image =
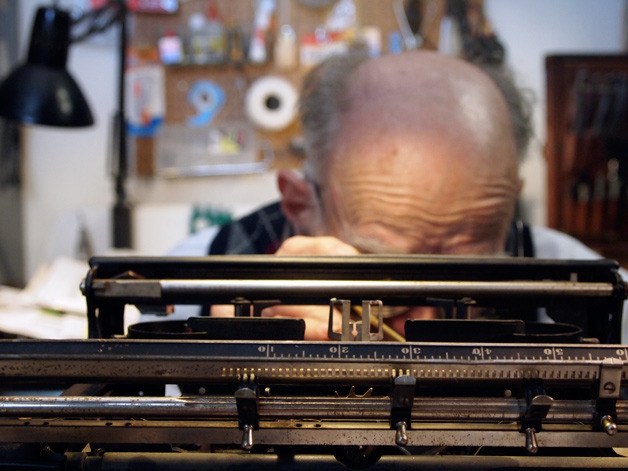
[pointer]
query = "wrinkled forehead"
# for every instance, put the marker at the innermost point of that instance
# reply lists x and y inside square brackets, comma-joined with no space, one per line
[430,163]
[433,176]
[421,194]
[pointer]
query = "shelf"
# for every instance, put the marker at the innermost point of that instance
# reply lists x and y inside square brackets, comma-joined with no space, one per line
[587,150]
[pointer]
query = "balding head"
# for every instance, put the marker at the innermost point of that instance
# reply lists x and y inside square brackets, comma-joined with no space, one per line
[412,153]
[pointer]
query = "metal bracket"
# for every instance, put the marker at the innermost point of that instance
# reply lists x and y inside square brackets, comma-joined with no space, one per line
[538,405]
[610,378]
[608,393]
[248,415]
[358,330]
[401,402]
[241,307]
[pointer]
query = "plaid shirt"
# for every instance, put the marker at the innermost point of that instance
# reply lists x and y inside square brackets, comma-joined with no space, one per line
[261,232]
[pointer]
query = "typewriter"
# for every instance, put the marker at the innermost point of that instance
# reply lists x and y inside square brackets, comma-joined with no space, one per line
[523,368]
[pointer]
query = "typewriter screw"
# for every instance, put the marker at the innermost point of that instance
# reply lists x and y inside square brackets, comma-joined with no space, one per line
[401,435]
[532,445]
[609,425]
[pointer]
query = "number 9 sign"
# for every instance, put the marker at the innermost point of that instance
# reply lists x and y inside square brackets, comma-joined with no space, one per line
[207,98]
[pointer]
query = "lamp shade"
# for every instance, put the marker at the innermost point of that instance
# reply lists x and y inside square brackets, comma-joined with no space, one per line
[41,91]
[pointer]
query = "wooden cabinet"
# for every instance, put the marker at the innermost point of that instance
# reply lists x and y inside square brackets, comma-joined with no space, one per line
[587,150]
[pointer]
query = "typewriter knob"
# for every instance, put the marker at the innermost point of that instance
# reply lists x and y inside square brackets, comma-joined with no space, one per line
[608,425]
[401,435]
[247,437]
[532,446]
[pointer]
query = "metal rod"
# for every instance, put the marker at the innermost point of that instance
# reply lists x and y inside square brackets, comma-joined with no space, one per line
[326,289]
[475,409]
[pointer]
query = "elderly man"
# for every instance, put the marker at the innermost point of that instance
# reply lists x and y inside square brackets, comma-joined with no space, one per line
[415,153]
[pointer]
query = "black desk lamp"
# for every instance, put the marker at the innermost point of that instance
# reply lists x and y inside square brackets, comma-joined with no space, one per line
[41,91]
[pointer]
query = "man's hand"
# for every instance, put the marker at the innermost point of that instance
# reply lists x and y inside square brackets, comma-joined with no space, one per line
[316,317]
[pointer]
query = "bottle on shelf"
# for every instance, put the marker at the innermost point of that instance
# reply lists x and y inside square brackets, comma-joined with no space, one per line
[207,42]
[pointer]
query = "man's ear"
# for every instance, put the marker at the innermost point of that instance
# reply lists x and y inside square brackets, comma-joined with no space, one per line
[298,202]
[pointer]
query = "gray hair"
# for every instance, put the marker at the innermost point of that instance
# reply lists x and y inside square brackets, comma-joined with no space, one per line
[519,105]
[325,97]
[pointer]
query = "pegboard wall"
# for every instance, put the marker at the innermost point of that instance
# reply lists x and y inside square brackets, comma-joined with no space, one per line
[235,74]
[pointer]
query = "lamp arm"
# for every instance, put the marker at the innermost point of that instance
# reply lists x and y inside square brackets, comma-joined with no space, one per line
[122,229]
[98,20]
